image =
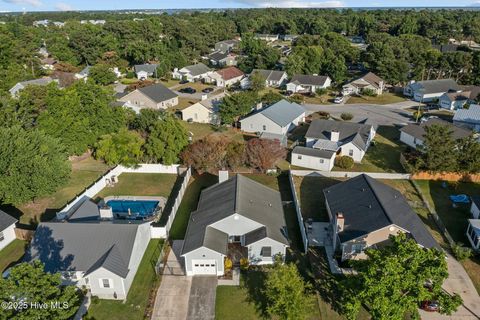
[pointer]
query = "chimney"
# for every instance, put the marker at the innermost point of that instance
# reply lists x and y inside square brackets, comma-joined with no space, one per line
[259,106]
[334,136]
[222,176]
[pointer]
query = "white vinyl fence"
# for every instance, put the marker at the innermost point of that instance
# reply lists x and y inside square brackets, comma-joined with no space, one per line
[345,174]
[298,209]
[178,199]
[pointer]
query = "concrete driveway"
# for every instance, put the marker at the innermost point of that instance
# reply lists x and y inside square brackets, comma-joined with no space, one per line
[201,305]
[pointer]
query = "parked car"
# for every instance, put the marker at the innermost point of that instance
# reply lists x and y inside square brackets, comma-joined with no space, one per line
[183,81]
[207,90]
[430,306]
[189,90]
[339,99]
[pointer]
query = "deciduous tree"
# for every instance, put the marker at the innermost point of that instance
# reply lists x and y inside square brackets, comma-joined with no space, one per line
[102,74]
[439,149]
[124,147]
[264,154]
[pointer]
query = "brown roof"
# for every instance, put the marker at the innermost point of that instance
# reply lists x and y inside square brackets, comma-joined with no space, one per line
[474,91]
[454,96]
[230,73]
[373,79]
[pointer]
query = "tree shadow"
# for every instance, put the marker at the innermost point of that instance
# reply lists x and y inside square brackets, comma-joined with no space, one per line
[171,201]
[254,283]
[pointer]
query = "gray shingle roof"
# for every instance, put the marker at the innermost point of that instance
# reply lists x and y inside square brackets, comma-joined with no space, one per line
[418,130]
[217,55]
[197,69]
[238,195]
[85,71]
[88,210]
[6,220]
[470,115]
[435,86]
[368,205]
[149,68]
[270,75]
[158,92]
[84,246]
[310,80]
[37,82]
[357,133]
[255,235]
[325,154]
[283,112]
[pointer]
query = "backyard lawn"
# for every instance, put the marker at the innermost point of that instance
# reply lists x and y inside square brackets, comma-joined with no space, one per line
[184,103]
[201,130]
[385,98]
[12,254]
[145,280]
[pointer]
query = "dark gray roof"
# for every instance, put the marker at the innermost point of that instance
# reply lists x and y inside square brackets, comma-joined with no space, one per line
[6,220]
[270,75]
[310,80]
[476,200]
[470,115]
[149,68]
[238,195]
[283,112]
[84,246]
[368,205]
[418,130]
[197,69]
[357,133]
[217,55]
[158,92]
[325,154]
[435,86]
[255,235]
[87,211]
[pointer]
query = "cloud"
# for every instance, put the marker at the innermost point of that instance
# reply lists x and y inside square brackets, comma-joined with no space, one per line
[33,3]
[293,3]
[62,6]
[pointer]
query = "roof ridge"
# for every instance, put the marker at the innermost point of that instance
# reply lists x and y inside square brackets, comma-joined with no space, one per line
[367,179]
[237,193]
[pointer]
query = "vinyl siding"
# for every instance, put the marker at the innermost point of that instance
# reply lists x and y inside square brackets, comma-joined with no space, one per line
[313,162]
[255,251]
[8,235]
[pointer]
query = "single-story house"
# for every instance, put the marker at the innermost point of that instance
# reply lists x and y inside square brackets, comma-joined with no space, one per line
[365,212]
[226,45]
[192,73]
[83,74]
[430,90]
[289,37]
[7,229]
[279,118]
[222,59]
[468,118]
[204,111]
[236,218]
[155,96]
[102,256]
[143,71]
[267,37]
[369,81]
[308,83]
[273,78]
[454,100]
[225,77]
[413,134]
[36,82]
[333,138]
[48,63]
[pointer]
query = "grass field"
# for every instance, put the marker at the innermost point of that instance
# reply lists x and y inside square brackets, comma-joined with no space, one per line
[11,254]
[201,130]
[385,98]
[134,307]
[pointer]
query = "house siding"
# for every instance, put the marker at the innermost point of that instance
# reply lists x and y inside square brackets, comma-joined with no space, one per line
[139,100]
[140,246]
[410,140]
[8,235]
[255,123]
[311,162]
[474,210]
[117,285]
[255,251]
[197,113]
[204,254]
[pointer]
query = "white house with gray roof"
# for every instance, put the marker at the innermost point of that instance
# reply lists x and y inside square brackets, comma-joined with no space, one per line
[279,119]
[102,256]
[156,96]
[84,73]
[143,71]
[468,118]
[430,90]
[192,73]
[236,218]
[7,229]
[36,82]
[308,83]
[273,78]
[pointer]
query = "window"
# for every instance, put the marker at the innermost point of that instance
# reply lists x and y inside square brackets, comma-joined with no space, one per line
[105,283]
[350,152]
[322,161]
[357,248]
[264,127]
[2,236]
[299,157]
[266,252]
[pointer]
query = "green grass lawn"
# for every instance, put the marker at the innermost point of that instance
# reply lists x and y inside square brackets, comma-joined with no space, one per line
[84,173]
[184,103]
[201,130]
[12,254]
[385,98]
[141,184]
[384,155]
[145,280]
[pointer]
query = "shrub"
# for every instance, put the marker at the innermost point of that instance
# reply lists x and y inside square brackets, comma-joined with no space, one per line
[228,264]
[244,264]
[369,92]
[344,162]
[323,114]
[130,75]
[460,252]
[321,91]
[417,115]
[346,116]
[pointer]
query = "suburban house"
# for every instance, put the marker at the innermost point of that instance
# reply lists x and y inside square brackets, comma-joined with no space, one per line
[36,82]
[273,78]
[143,71]
[457,100]
[473,229]
[289,37]
[192,73]
[222,59]
[204,111]
[277,119]
[413,134]
[225,77]
[326,139]
[236,218]
[430,90]
[48,63]
[83,74]
[226,45]
[156,96]
[364,213]
[7,229]
[102,256]
[267,37]
[308,83]
[369,81]
[468,118]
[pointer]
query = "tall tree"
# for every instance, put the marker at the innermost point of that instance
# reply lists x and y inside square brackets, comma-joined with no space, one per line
[264,154]
[257,81]
[438,147]
[124,147]
[102,74]
[237,105]
[468,154]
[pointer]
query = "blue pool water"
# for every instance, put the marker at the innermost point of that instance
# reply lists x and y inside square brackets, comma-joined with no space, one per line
[138,208]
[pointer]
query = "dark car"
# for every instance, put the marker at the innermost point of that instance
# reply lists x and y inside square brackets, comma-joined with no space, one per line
[430,306]
[207,90]
[189,90]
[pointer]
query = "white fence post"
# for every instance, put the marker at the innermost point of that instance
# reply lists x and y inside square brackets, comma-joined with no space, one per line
[298,210]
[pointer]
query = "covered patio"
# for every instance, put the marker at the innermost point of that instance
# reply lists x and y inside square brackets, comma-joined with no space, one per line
[236,252]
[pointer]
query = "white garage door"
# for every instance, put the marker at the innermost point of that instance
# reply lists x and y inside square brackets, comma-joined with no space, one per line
[204,267]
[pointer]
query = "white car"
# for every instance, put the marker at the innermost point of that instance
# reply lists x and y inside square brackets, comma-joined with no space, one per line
[339,99]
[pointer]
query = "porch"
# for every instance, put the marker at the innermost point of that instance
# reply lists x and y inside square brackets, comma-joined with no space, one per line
[235,252]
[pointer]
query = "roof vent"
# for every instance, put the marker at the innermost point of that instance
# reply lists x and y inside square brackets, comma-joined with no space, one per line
[269,204]
[370,206]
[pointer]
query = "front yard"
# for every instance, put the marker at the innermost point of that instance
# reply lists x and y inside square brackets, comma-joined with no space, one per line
[144,282]
[385,98]
[11,254]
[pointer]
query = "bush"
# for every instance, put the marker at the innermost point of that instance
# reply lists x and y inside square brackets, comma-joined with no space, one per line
[417,115]
[321,91]
[460,252]
[344,162]
[346,116]
[369,92]
[323,114]
[228,264]
[244,264]
[130,75]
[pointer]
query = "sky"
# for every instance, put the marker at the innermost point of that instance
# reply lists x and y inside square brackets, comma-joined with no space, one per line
[66,5]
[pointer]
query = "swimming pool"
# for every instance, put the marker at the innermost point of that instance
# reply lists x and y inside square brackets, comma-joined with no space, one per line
[133,208]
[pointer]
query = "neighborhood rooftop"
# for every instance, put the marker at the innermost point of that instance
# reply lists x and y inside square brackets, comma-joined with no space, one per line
[472,114]
[158,92]
[309,80]
[149,68]
[418,130]
[368,205]
[197,69]
[230,73]
[6,220]
[434,86]
[270,75]
[283,112]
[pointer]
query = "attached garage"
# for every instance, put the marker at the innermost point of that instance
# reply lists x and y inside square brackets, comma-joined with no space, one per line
[204,267]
